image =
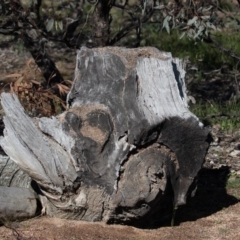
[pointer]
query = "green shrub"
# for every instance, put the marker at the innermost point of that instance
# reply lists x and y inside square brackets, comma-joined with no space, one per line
[233,181]
[226,114]
[205,55]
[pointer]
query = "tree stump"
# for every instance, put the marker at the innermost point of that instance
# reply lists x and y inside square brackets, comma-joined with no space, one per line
[126,135]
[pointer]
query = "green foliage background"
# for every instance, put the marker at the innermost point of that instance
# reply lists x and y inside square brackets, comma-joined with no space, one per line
[204,56]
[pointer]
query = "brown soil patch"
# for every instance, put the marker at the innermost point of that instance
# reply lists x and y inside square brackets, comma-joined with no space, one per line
[213,213]
[223,225]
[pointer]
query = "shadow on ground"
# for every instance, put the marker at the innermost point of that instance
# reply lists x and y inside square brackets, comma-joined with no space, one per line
[211,196]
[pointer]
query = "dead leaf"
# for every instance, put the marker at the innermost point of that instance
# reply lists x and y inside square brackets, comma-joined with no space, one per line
[36,82]
[63,89]
[14,75]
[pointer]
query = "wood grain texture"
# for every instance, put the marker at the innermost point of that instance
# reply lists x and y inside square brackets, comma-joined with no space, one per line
[126,136]
[11,175]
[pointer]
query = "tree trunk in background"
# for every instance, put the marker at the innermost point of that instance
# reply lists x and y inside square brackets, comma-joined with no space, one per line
[126,136]
[36,46]
[101,23]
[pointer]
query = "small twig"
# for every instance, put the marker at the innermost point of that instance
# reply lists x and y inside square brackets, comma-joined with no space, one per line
[124,31]
[237,86]
[221,115]
[15,232]
[222,48]
[11,31]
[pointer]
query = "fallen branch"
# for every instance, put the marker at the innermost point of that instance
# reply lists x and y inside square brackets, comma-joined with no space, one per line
[225,50]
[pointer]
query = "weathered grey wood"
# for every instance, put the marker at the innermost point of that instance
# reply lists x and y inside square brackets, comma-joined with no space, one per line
[11,175]
[17,204]
[127,131]
[43,159]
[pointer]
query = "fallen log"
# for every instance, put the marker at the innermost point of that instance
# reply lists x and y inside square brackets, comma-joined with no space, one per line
[127,134]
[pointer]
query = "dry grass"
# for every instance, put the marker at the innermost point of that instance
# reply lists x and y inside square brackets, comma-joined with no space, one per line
[21,75]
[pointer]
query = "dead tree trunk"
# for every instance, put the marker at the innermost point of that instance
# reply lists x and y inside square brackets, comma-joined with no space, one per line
[126,134]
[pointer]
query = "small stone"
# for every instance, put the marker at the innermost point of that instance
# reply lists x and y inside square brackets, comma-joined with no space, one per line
[234,153]
[221,144]
[215,148]
[228,150]
[214,144]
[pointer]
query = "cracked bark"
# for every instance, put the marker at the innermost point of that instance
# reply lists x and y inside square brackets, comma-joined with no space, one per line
[113,154]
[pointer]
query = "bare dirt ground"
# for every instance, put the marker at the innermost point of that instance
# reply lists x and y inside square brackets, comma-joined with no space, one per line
[221,225]
[214,212]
